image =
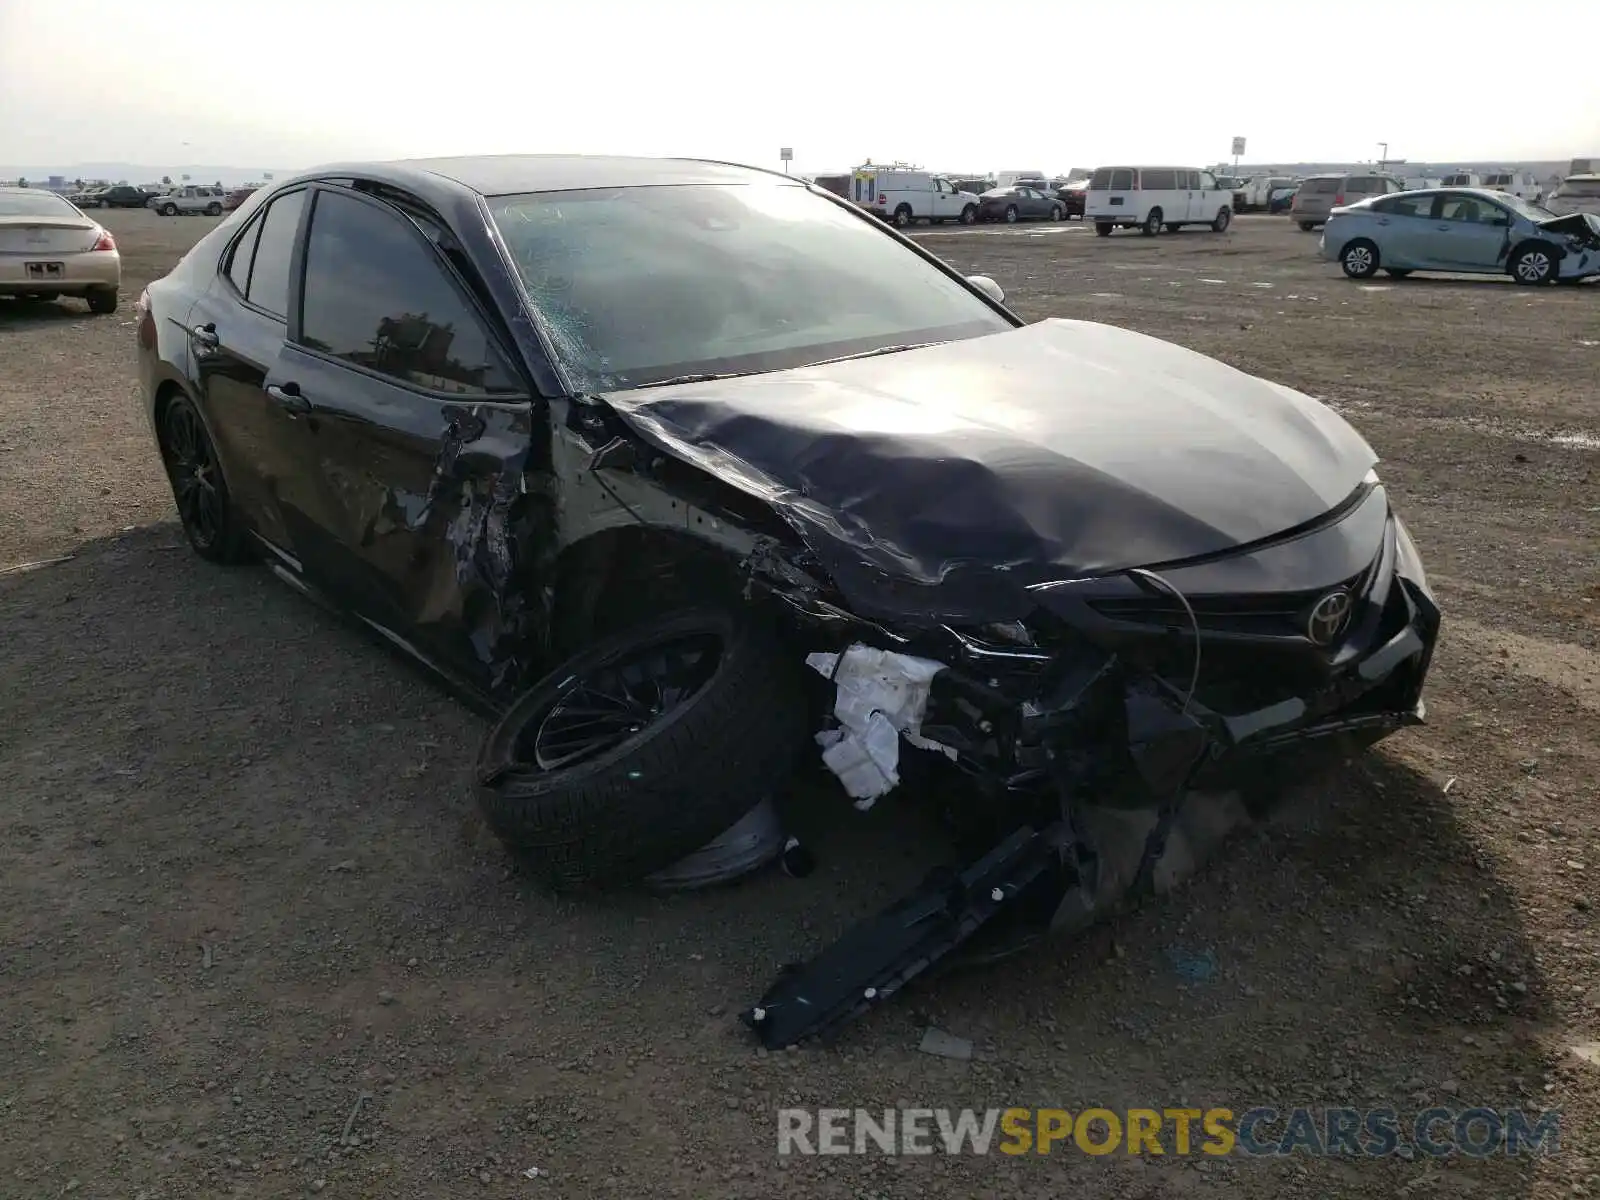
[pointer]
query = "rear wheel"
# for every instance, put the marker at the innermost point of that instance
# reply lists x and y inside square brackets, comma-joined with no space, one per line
[1152,223]
[1359,259]
[1307,226]
[1102,229]
[902,216]
[643,748]
[102,300]
[204,507]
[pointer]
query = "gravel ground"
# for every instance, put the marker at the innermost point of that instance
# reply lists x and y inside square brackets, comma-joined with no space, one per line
[243,882]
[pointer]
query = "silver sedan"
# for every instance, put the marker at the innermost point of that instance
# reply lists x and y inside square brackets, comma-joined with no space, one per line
[48,248]
[1469,230]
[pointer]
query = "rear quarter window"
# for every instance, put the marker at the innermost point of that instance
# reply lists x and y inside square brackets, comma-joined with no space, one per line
[1319,187]
[1158,181]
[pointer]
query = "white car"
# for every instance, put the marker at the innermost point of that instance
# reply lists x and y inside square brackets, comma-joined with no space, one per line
[1151,199]
[1577,194]
[903,196]
[189,199]
[50,249]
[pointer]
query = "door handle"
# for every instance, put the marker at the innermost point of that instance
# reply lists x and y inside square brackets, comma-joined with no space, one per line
[288,398]
[1383,220]
[1443,228]
[206,335]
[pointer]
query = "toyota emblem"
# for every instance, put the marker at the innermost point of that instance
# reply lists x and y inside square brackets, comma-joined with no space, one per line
[1328,616]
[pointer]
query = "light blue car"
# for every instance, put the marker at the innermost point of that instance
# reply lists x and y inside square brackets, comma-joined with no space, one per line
[1469,230]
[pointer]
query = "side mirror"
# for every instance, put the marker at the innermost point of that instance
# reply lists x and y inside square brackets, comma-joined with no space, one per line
[988,287]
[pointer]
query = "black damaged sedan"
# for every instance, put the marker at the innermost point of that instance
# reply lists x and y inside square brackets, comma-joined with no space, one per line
[682,470]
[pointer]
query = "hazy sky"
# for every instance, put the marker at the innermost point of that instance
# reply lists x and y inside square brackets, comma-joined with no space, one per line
[960,87]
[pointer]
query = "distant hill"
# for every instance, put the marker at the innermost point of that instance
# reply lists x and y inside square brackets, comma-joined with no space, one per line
[136,173]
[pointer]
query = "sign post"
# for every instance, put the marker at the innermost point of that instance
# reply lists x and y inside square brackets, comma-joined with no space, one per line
[1238,149]
[786,153]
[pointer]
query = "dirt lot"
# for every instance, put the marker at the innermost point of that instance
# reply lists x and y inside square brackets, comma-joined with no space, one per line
[244,881]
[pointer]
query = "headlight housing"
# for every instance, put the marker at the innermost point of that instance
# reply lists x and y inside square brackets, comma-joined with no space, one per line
[1408,561]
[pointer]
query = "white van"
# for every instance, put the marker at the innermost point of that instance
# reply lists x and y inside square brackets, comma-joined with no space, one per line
[1155,198]
[903,196]
[1462,179]
[1520,184]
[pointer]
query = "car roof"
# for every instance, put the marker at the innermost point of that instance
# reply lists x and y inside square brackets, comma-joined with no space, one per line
[508,174]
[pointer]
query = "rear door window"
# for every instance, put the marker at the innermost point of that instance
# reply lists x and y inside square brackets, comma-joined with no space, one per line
[244,254]
[1405,206]
[1112,179]
[274,248]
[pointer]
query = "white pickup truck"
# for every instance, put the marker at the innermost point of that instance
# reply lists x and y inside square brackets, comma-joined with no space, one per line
[190,198]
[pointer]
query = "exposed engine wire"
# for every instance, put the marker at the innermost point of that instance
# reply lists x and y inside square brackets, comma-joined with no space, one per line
[1194,625]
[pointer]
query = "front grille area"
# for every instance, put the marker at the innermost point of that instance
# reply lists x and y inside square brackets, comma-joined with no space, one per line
[1239,676]
[1277,614]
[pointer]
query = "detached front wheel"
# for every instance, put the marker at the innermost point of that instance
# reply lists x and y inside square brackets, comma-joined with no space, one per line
[643,748]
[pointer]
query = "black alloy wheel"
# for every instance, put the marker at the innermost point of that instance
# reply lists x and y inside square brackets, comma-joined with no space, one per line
[619,699]
[197,484]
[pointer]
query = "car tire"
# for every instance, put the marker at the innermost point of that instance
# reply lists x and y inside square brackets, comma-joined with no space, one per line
[1152,223]
[652,792]
[169,210]
[1359,258]
[213,210]
[1397,272]
[969,215]
[102,300]
[205,509]
[1223,219]
[1307,226]
[902,216]
[1012,215]
[1102,229]
[1534,265]
[1056,214]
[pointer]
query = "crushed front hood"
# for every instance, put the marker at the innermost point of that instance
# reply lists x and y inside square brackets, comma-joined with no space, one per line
[1064,448]
[1583,226]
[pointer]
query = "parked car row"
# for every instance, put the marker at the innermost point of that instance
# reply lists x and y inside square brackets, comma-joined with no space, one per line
[119,195]
[905,195]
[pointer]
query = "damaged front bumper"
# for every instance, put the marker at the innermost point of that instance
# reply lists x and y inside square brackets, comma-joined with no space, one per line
[1089,750]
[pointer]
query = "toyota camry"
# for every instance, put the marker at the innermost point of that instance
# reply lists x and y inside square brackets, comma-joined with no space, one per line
[685,470]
